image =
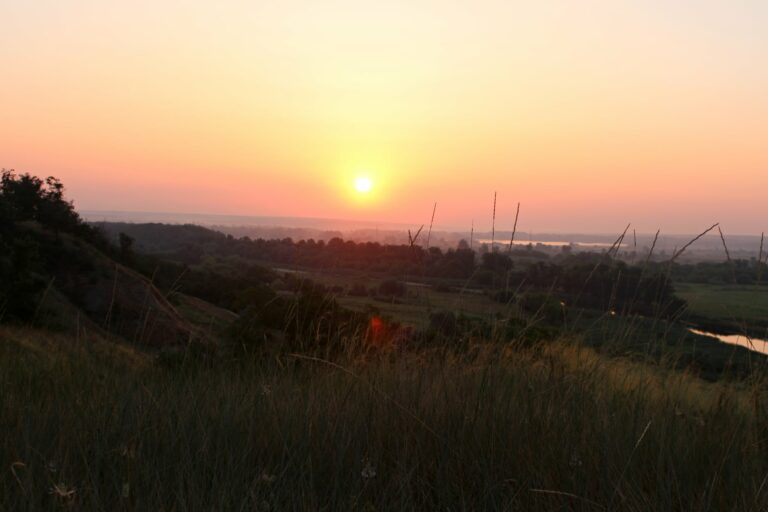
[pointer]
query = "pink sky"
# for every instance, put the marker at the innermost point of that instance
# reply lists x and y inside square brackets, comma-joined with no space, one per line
[590,114]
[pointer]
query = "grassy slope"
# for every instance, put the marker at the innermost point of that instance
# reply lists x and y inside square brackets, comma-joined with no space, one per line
[560,429]
[84,282]
[212,321]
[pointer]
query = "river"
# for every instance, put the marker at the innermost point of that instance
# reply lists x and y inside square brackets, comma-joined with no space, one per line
[756,344]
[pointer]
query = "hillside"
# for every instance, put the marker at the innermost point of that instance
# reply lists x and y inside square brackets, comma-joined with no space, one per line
[59,273]
[92,425]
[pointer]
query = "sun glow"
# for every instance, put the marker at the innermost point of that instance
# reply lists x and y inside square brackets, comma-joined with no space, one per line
[363,184]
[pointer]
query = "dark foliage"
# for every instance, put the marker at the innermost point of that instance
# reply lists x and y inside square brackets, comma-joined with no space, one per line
[308,320]
[584,279]
[708,272]
[192,244]
[606,285]
[27,201]
[392,288]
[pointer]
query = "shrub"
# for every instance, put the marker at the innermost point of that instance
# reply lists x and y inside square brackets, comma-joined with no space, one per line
[392,288]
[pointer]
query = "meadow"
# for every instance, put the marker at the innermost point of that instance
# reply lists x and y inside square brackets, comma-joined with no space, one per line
[419,299]
[93,425]
[733,308]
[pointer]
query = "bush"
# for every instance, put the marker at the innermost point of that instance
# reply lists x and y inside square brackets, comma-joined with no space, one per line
[392,288]
[358,290]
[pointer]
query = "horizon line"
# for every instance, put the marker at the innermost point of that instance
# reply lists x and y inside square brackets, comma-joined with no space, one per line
[372,223]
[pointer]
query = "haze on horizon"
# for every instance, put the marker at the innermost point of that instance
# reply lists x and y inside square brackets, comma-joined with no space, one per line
[592,114]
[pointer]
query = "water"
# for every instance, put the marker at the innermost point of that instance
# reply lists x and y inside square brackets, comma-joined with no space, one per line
[548,243]
[290,271]
[756,344]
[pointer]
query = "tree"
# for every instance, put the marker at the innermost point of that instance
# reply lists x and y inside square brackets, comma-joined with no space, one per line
[31,198]
[126,247]
[497,262]
[392,288]
[24,258]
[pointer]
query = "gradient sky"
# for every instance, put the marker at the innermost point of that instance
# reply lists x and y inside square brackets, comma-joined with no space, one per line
[592,114]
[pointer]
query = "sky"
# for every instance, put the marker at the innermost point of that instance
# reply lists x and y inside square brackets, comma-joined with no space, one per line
[591,114]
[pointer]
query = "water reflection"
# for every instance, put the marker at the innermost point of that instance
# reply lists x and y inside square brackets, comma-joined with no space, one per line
[756,344]
[548,243]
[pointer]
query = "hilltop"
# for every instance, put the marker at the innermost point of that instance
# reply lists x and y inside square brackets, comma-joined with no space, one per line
[61,273]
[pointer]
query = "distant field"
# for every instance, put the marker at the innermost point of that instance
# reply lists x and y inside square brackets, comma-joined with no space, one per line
[419,301]
[414,309]
[735,305]
[716,308]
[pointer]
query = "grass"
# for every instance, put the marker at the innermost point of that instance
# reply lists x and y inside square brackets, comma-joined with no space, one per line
[499,427]
[731,307]
[414,308]
[421,298]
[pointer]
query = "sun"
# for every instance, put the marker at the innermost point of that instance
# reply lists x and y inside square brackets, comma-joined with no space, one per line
[363,184]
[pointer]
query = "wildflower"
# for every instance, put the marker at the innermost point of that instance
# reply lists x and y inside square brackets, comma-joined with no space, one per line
[613,313]
[562,303]
[63,491]
[129,452]
[369,470]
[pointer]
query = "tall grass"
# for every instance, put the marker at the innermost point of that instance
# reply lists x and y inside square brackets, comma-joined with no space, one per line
[493,427]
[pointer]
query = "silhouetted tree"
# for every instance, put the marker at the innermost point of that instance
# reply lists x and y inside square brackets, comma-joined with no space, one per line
[392,288]
[26,261]
[126,247]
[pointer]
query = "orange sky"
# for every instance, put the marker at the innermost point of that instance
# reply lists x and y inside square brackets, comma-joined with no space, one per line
[589,113]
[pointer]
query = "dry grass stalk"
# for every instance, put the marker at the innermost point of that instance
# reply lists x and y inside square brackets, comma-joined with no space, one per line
[683,248]
[617,490]
[111,300]
[493,223]
[617,244]
[514,228]
[760,259]
[725,246]
[653,246]
[727,254]
[429,233]
[412,238]
[599,262]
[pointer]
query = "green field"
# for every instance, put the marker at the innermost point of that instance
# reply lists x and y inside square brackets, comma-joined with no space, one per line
[734,308]
[415,308]
[419,301]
